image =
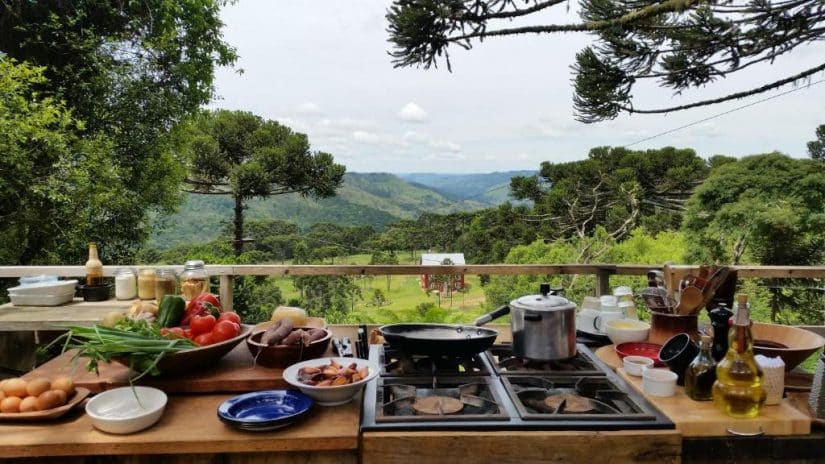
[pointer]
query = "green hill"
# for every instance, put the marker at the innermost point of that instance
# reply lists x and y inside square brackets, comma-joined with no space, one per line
[375,199]
[490,188]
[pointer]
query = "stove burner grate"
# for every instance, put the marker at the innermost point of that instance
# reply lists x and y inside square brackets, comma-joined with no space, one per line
[401,400]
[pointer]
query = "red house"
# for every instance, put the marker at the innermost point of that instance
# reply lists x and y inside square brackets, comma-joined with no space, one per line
[452,282]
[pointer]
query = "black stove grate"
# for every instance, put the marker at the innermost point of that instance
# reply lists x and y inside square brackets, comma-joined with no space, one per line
[396,399]
[504,362]
[398,363]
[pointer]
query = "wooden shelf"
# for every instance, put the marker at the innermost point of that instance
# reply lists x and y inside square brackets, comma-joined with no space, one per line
[78,312]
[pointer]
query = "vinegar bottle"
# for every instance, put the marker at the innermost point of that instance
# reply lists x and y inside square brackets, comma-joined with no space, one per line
[701,374]
[738,390]
[94,268]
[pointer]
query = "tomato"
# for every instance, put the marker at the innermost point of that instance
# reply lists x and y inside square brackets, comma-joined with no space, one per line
[230,316]
[204,339]
[188,334]
[224,330]
[199,306]
[172,332]
[202,324]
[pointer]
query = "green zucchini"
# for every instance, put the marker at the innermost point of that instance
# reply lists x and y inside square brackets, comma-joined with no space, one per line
[171,310]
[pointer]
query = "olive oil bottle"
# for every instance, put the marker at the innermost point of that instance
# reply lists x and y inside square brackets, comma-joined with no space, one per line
[701,374]
[738,389]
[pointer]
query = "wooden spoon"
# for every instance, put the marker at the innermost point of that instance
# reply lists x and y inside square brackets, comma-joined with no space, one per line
[689,300]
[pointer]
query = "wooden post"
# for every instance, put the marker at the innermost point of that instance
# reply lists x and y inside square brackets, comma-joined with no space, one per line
[603,282]
[226,292]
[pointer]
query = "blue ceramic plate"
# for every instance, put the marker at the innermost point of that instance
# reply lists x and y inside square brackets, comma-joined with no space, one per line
[264,410]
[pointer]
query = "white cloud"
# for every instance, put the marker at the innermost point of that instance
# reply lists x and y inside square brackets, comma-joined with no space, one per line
[365,137]
[448,146]
[309,109]
[412,113]
[415,137]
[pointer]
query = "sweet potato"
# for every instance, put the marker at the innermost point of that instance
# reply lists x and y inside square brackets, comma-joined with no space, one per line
[277,332]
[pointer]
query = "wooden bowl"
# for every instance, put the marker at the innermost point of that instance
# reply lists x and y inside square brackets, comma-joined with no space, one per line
[792,344]
[280,355]
[200,357]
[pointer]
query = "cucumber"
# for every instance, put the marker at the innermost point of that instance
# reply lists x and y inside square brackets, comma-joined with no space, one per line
[171,311]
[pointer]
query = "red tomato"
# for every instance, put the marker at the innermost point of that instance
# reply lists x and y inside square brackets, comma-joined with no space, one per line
[172,332]
[230,316]
[204,339]
[224,330]
[202,324]
[188,334]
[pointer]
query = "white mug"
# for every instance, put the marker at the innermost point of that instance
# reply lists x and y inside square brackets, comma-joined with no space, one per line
[586,320]
[600,322]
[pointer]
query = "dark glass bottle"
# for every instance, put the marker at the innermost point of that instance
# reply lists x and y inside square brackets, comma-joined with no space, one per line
[701,373]
[719,317]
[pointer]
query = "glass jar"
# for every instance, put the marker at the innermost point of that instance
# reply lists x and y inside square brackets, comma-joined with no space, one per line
[194,279]
[146,284]
[624,297]
[125,284]
[166,283]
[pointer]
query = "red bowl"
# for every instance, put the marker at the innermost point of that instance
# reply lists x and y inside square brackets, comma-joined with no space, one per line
[648,350]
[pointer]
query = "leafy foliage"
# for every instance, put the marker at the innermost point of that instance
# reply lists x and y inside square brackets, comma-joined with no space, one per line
[816,148]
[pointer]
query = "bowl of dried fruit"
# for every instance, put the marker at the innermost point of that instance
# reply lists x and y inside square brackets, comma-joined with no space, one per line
[279,344]
[331,381]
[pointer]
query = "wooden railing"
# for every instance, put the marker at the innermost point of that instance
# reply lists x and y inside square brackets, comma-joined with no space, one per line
[602,272]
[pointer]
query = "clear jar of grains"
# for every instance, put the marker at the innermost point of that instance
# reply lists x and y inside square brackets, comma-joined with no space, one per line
[146,284]
[125,284]
[166,283]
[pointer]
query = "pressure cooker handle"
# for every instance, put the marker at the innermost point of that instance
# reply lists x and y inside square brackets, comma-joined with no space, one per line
[502,311]
[532,316]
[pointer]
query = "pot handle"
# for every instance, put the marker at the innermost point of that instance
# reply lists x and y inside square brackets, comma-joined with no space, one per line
[502,311]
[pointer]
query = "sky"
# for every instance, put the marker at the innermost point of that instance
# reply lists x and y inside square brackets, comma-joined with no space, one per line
[321,67]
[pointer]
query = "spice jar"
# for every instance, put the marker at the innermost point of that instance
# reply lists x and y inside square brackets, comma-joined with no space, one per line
[146,284]
[194,279]
[125,284]
[166,283]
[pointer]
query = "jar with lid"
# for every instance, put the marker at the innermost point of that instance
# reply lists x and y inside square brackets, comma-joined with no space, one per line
[166,283]
[125,284]
[146,284]
[194,279]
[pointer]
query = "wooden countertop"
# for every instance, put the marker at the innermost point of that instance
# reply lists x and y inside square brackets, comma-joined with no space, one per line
[189,426]
[78,312]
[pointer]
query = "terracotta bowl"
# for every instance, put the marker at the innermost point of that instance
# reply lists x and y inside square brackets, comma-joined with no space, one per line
[792,344]
[282,356]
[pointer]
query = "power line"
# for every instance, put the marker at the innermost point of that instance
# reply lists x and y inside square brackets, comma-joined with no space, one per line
[725,112]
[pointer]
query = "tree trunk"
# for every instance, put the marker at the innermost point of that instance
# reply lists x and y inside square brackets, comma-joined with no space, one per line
[237,244]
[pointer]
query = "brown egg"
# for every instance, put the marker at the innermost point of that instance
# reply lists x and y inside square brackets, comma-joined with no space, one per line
[28,404]
[38,386]
[10,404]
[2,395]
[64,383]
[62,395]
[48,400]
[15,387]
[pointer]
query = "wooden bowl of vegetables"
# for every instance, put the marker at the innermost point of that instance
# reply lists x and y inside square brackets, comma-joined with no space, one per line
[279,343]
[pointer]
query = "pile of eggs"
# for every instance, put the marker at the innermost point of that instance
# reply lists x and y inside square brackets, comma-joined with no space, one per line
[40,394]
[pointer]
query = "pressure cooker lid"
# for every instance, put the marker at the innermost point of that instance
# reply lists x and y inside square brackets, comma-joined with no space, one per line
[544,301]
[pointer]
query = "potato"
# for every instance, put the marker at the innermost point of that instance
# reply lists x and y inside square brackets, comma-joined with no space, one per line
[298,316]
[10,404]
[63,383]
[50,399]
[28,404]
[38,386]
[15,387]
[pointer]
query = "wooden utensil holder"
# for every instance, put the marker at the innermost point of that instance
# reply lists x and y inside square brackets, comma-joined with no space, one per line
[663,326]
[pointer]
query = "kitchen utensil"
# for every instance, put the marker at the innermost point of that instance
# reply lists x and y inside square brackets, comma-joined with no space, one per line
[715,281]
[120,411]
[648,350]
[438,339]
[627,330]
[663,326]
[690,300]
[264,410]
[816,400]
[655,279]
[677,353]
[543,325]
[635,365]
[659,382]
[282,355]
[79,395]
[657,300]
[335,394]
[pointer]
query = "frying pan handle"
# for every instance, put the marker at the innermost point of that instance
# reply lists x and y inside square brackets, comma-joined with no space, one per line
[502,311]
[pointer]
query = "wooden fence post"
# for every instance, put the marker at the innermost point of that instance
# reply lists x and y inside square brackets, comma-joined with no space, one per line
[226,292]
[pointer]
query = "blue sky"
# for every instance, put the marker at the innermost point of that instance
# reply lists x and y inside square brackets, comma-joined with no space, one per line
[321,67]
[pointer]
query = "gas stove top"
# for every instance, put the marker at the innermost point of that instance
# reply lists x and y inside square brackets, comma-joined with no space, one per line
[495,390]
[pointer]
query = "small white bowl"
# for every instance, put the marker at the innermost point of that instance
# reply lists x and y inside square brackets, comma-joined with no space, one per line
[118,410]
[332,395]
[659,382]
[635,365]
[627,330]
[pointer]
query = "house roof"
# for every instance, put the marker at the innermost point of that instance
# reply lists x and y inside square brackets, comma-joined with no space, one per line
[430,259]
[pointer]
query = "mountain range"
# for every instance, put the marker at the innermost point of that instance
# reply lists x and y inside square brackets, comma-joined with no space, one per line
[375,199]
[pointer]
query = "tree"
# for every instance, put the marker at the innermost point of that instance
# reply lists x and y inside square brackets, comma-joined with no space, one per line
[240,154]
[816,148]
[615,188]
[493,231]
[129,71]
[681,43]
[381,257]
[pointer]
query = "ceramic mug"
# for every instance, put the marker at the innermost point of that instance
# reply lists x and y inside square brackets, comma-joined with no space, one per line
[586,320]
[600,322]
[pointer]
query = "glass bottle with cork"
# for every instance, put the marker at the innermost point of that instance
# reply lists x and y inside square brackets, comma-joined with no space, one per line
[94,267]
[701,373]
[738,390]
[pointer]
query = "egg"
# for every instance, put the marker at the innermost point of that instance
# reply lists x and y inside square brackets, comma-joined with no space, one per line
[10,404]
[38,386]
[50,399]
[15,387]
[63,383]
[28,404]
[2,395]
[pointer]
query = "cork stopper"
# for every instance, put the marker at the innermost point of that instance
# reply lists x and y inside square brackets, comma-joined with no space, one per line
[705,341]
[742,310]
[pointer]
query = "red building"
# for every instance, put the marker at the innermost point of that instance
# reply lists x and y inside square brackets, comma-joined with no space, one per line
[451,282]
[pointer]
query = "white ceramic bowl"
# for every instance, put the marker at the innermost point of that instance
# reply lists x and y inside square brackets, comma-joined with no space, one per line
[627,330]
[332,395]
[635,365]
[659,382]
[118,411]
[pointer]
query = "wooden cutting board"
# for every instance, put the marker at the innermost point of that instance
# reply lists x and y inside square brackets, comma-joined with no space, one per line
[235,372]
[703,419]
